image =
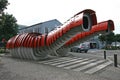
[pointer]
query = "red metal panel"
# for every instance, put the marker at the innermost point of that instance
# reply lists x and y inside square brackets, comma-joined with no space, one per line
[68,27]
[39,41]
[48,41]
[21,38]
[22,41]
[13,42]
[54,36]
[26,41]
[42,40]
[58,32]
[64,30]
[111,23]
[35,42]
[31,42]
[61,32]
[17,41]
[9,43]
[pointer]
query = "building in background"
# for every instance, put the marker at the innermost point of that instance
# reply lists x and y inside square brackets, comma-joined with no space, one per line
[40,27]
[94,43]
[21,26]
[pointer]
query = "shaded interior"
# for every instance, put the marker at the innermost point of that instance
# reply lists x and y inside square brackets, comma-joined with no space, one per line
[85,22]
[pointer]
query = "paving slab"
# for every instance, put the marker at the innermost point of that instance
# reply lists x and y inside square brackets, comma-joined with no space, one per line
[89,65]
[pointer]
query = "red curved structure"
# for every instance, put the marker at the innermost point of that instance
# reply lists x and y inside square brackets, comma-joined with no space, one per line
[37,46]
[101,28]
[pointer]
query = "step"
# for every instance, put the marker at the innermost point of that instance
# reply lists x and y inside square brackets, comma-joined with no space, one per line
[88,65]
[60,60]
[79,64]
[99,67]
[55,60]
[72,63]
[65,61]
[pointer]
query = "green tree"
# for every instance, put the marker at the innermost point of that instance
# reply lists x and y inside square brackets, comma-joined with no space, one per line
[109,38]
[8,27]
[117,37]
[3,5]
[102,38]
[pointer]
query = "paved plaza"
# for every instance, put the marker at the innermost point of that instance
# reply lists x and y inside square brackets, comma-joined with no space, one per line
[79,66]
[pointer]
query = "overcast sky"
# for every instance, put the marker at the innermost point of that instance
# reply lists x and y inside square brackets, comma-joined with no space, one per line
[29,12]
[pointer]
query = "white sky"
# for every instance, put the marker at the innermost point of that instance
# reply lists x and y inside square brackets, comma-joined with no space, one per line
[29,12]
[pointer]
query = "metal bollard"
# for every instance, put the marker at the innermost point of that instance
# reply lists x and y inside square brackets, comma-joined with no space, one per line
[115,60]
[104,54]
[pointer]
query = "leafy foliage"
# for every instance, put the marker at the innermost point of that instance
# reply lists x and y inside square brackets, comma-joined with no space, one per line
[117,37]
[3,4]
[109,38]
[102,38]
[8,27]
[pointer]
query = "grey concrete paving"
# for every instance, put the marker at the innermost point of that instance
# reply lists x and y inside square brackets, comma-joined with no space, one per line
[16,69]
[88,65]
[71,63]
[97,68]
[95,53]
[111,72]
[84,64]
[109,54]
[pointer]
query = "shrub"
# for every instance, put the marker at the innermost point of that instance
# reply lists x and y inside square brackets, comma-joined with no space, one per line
[2,50]
[112,48]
